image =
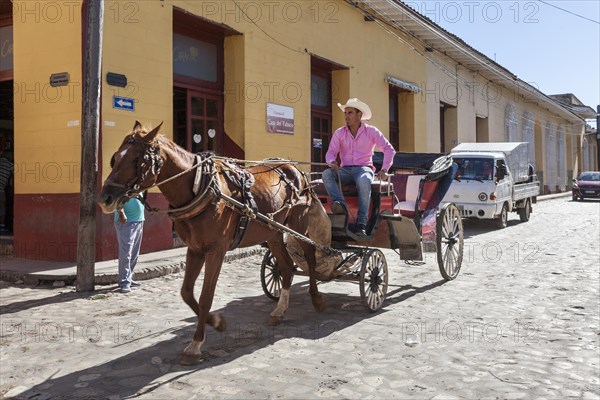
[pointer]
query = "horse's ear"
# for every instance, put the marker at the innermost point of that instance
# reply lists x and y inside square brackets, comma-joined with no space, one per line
[152,134]
[136,126]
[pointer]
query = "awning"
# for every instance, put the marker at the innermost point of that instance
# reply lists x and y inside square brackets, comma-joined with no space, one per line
[411,87]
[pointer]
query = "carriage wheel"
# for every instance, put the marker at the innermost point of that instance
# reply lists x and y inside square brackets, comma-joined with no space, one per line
[270,278]
[450,241]
[373,279]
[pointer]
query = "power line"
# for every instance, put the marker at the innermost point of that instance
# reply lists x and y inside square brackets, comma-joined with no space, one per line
[265,32]
[388,24]
[569,12]
[550,120]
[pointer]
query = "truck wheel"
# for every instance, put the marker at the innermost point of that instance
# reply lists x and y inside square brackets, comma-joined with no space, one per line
[502,219]
[525,212]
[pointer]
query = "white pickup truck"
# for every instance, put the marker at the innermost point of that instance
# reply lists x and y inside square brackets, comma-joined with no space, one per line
[492,180]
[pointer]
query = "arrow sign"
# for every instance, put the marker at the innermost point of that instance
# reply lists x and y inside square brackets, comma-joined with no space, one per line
[123,103]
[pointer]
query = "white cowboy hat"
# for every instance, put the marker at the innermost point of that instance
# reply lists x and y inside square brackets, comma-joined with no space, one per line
[359,105]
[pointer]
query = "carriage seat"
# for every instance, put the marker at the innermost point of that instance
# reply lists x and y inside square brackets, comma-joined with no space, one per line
[406,188]
[382,187]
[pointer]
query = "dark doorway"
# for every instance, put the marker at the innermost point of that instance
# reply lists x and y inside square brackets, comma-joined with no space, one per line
[7,164]
[321,135]
[197,120]
[320,111]
[198,80]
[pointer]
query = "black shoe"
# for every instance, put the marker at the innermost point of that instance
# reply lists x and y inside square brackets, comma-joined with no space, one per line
[361,230]
[338,207]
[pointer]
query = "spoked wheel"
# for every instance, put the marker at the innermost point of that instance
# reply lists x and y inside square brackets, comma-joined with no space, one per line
[373,279]
[270,278]
[450,241]
[525,212]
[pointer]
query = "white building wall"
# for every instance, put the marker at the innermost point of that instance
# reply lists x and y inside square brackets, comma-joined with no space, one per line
[529,135]
[561,142]
[550,152]
[510,123]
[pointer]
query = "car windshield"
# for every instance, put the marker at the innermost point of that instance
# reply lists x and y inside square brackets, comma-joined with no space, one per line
[475,168]
[590,176]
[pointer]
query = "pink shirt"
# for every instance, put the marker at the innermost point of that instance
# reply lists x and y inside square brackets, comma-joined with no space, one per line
[359,150]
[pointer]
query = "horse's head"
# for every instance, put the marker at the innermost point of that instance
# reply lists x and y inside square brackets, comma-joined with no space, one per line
[135,167]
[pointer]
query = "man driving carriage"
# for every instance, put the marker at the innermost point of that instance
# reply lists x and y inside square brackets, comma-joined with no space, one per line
[355,143]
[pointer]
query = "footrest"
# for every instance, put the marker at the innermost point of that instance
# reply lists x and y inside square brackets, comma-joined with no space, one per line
[392,217]
[338,221]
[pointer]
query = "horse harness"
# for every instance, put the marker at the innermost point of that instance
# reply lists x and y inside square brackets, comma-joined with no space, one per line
[206,181]
[207,190]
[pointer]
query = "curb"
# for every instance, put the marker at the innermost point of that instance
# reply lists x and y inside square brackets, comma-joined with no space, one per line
[554,196]
[144,273]
[152,271]
[165,269]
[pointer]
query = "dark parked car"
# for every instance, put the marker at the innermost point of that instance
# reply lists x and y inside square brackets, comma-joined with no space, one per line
[587,186]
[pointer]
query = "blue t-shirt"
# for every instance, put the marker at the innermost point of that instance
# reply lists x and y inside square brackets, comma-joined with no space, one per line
[134,211]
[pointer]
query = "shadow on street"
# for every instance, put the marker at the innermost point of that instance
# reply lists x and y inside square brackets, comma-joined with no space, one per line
[143,371]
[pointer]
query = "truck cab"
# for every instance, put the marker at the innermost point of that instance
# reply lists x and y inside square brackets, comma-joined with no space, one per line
[481,186]
[492,180]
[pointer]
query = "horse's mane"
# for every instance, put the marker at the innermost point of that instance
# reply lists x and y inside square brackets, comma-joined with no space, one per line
[162,139]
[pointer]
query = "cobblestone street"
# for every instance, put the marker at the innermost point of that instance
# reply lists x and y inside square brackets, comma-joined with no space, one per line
[520,321]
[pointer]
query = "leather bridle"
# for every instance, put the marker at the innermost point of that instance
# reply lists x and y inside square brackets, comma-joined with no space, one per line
[150,163]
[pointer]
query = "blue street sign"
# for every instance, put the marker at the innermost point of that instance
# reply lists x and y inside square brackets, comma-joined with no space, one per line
[123,103]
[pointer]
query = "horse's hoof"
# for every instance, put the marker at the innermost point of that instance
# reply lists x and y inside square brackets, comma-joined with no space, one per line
[220,324]
[190,359]
[319,305]
[273,321]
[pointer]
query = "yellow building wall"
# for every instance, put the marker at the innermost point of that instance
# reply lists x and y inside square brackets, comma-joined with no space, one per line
[269,63]
[439,86]
[235,73]
[47,120]
[278,40]
[138,44]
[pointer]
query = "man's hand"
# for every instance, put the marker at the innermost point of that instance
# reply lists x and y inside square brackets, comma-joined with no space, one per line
[122,217]
[382,175]
[334,166]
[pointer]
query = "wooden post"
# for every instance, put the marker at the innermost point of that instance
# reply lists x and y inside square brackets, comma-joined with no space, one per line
[86,235]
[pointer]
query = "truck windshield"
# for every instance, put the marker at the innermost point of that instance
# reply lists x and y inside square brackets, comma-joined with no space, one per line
[475,168]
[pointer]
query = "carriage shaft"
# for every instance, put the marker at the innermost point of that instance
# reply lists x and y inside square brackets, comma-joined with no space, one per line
[245,209]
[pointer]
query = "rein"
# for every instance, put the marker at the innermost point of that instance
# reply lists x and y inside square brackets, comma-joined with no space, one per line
[206,179]
[182,212]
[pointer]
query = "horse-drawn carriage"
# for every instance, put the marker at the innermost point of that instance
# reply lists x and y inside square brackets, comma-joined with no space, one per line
[405,216]
[217,205]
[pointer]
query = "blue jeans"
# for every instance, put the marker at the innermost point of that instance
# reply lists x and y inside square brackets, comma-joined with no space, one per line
[362,178]
[129,236]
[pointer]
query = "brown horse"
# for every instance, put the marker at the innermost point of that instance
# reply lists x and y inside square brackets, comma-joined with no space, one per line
[206,203]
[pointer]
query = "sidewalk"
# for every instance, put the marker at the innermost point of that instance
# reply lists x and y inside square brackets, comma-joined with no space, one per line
[150,265]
